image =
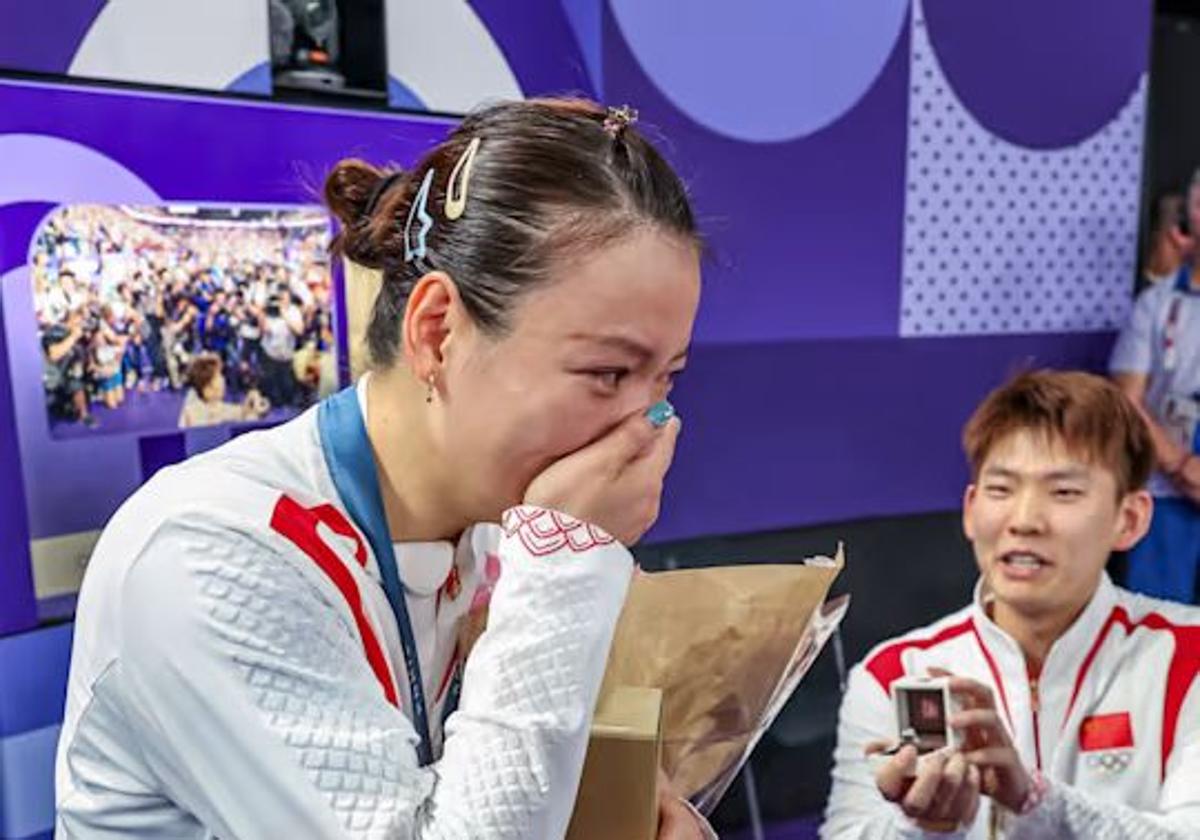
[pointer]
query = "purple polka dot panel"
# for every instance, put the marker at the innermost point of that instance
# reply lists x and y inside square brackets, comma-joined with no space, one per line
[1014,231]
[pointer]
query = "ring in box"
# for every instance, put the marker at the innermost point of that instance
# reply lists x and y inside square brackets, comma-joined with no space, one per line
[924,706]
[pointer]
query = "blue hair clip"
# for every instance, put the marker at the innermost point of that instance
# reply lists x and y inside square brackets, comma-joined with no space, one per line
[415,249]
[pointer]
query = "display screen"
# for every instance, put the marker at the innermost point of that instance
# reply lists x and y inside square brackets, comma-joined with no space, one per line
[151,319]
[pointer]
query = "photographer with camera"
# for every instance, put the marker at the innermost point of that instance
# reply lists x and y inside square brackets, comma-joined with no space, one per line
[177,333]
[281,325]
[108,358]
[64,349]
[246,343]
[1074,705]
[220,330]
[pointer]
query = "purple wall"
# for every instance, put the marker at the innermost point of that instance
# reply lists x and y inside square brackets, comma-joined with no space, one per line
[782,434]
[17,608]
[43,37]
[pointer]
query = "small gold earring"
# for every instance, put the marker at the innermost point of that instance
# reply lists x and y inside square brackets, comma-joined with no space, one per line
[429,392]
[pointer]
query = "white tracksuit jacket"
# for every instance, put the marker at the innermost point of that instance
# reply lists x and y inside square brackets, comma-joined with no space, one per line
[237,671]
[1115,729]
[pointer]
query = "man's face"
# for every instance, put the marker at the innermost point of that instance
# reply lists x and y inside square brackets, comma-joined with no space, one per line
[1043,523]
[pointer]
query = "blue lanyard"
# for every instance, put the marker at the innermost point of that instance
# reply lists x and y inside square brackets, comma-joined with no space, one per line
[352,465]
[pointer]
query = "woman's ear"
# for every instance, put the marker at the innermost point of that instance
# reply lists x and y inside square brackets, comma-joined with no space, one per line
[431,318]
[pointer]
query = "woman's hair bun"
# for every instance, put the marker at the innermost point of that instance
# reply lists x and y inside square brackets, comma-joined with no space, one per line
[350,190]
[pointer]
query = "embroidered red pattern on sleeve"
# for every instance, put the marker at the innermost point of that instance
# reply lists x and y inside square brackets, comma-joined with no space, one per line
[545,532]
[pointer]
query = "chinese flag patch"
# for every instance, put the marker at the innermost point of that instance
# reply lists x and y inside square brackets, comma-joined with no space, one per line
[1106,732]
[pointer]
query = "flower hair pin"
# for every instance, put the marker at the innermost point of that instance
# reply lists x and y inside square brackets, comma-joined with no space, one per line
[619,119]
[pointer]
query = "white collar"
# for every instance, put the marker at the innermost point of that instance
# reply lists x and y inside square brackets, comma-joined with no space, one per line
[1071,646]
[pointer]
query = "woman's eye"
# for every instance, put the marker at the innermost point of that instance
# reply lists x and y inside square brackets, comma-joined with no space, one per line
[669,379]
[610,379]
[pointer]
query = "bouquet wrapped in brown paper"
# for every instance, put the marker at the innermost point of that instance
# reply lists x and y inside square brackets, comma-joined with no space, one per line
[728,646]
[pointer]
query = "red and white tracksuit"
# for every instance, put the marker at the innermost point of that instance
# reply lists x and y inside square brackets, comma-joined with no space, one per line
[1112,722]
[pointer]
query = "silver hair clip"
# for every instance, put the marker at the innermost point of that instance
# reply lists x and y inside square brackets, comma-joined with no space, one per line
[460,179]
[418,212]
[619,119]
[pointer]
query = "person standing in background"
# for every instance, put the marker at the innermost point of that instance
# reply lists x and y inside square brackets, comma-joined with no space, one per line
[1169,245]
[1156,362]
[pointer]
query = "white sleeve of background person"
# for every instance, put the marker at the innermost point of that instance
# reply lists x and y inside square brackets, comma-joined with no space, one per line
[856,809]
[254,707]
[1070,813]
[1134,350]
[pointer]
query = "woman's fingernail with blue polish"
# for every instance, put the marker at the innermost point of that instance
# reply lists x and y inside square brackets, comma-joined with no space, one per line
[660,414]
